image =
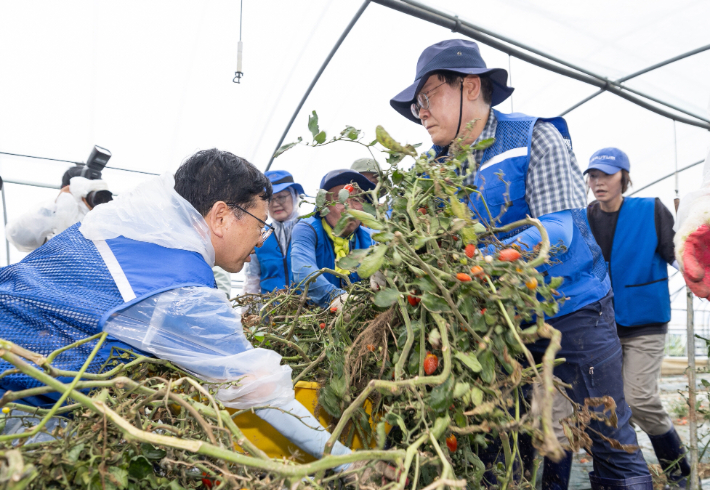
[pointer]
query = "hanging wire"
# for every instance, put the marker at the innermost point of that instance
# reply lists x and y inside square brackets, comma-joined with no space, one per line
[239,74]
[75,163]
[510,82]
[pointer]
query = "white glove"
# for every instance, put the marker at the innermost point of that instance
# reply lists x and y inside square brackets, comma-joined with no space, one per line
[338,302]
[378,281]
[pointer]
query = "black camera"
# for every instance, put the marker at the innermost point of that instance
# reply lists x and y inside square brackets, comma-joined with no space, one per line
[96,162]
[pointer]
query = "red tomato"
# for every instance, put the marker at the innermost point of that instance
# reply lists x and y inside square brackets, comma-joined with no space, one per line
[477,271]
[413,300]
[421,210]
[463,277]
[431,362]
[470,250]
[508,255]
[349,188]
[322,326]
[452,443]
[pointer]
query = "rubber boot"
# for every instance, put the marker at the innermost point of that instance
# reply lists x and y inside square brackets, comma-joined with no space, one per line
[555,476]
[635,483]
[306,433]
[670,452]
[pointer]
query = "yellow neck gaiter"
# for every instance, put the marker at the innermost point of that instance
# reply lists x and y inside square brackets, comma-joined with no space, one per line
[341,246]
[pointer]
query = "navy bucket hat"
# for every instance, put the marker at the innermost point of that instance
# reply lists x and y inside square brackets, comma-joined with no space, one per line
[335,178]
[281,179]
[456,55]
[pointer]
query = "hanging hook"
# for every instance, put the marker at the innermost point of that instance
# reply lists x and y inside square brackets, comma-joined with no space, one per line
[239,74]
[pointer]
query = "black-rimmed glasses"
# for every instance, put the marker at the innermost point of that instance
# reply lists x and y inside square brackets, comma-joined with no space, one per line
[266,230]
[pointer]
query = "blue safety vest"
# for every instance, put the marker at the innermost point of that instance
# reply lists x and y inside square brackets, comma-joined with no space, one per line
[639,275]
[325,252]
[275,268]
[582,265]
[66,290]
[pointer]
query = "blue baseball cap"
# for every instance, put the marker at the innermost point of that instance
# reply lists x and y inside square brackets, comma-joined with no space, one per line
[609,161]
[345,176]
[457,55]
[281,179]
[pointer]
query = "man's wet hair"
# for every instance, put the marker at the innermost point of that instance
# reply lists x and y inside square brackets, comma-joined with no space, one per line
[213,175]
[452,78]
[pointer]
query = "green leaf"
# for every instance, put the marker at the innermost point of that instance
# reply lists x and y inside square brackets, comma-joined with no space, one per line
[174,485]
[337,383]
[119,476]
[381,435]
[365,218]
[460,389]
[442,396]
[425,284]
[139,468]
[151,452]
[353,259]
[372,262]
[488,366]
[435,304]
[555,282]
[320,197]
[313,124]
[320,138]
[286,147]
[483,144]
[397,177]
[73,454]
[369,208]
[470,360]
[329,401]
[387,297]
[343,196]
[341,224]
[383,237]
[476,396]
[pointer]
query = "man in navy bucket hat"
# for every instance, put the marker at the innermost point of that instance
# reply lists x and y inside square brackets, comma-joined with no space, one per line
[315,246]
[452,97]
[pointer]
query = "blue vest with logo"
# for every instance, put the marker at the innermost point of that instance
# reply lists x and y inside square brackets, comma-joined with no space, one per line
[639,275]
[582,265]
[325,252]
[275,268]
[65,291]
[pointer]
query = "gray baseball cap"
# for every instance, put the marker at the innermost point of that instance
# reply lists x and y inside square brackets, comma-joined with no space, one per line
[365,165]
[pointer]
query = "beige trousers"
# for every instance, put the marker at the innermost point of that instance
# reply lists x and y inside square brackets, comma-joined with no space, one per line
[643,356]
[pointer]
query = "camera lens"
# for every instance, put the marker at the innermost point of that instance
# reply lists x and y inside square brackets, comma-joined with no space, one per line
[95,198]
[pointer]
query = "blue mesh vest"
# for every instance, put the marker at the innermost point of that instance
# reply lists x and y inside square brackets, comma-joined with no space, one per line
[325,254]
[639,275]
[275,268]
[582,265]
[65,290]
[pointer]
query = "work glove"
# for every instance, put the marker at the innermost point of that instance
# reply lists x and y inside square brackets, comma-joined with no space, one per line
[337,304]
[696,261]
[378,281]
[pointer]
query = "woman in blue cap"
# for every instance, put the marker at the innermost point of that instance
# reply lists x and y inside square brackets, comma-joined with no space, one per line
[270,266]
[315,246]
[636,238]
[453,87]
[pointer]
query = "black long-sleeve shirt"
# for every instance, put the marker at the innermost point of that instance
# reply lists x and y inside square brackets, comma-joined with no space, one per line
[603,226]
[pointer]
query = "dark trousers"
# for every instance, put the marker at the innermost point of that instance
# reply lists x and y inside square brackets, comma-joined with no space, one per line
[593,356]
[593,369]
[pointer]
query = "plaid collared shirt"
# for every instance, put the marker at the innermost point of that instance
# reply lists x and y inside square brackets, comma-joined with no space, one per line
[554,182]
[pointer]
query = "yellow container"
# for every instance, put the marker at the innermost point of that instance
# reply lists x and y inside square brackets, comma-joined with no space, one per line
[269,440]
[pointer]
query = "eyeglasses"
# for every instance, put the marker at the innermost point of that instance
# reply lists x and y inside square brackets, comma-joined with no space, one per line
[281,199]
[266,230]
[422,101]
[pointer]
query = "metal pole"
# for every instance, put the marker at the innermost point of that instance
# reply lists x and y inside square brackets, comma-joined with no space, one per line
[667,176]
[4,216]
[315,79]
[692,415]
[456,25]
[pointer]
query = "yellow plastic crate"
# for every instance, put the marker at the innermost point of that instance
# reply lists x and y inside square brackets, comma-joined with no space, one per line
[269,440]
